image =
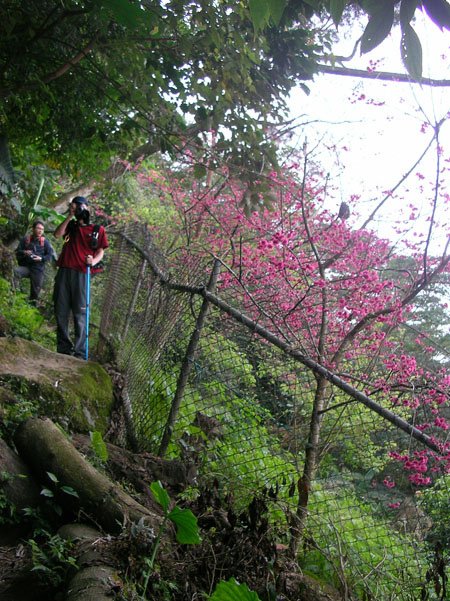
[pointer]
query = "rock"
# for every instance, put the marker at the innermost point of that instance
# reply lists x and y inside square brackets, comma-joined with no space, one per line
[75,393]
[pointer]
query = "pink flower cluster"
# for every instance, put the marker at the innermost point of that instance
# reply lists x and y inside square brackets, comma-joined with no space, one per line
[298,269]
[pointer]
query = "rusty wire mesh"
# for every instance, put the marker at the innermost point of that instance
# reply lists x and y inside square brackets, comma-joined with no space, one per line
[243,418]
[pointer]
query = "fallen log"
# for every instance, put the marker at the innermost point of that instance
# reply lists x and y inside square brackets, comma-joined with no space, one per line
[141,469]
[97,577]
[45,448]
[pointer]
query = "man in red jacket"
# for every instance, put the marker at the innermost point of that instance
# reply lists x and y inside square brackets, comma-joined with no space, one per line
[84,245]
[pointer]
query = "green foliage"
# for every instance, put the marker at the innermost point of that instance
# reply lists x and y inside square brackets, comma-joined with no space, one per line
[37,185]
[184,519]
[375,559]
[247,457]
[187,530]
[69,88]
[51,557]
[233,591]
[265,12]
[436,503]
[23,319]
[132,198]
[160,495]
[15,413]
[337,9]
[411,49]
[8,511]
[381,19]
[379,26]
[357,447]
[99,446]
[50,494]
[228,359]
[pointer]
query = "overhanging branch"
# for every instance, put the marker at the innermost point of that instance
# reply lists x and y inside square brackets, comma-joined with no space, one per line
[382,76]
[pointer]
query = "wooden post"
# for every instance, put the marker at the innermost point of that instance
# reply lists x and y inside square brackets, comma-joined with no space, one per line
[187,364]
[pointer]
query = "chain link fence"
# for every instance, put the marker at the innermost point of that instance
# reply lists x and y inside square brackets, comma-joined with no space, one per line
[206,384]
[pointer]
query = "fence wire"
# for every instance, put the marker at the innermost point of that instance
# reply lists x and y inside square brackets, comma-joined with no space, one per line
[203,387]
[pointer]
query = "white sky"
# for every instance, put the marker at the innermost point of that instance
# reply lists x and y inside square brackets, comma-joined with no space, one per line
[375,145]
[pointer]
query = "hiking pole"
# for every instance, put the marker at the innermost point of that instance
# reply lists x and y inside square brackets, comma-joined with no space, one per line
[88,302]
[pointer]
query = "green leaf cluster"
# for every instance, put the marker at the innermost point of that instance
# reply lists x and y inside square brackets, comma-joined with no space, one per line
[51,558]
[187,530]
[232,590]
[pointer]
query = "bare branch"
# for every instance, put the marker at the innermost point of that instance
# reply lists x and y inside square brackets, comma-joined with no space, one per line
[383,76]
[435,199]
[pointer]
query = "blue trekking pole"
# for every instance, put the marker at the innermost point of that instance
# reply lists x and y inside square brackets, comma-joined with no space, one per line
[88,302]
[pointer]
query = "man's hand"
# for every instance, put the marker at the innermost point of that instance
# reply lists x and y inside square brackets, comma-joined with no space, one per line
[36,258]
[89,259]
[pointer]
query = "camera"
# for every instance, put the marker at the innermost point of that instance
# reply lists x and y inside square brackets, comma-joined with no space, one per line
[82,214]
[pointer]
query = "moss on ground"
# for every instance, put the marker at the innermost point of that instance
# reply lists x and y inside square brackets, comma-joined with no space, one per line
[75,393]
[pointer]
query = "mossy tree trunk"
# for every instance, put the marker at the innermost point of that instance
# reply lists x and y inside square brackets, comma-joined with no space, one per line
[45,448]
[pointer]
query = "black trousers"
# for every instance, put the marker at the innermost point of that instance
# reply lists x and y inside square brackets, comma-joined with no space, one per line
[36,279]
[69,297]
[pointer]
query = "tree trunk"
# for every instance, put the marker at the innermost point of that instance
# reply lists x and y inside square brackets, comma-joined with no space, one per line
[46,449]
[16,482]
[311,459]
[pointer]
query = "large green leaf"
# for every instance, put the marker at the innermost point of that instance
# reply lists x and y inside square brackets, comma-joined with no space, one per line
[99,446]
[160,495]
[187,527]
[259,13]
[378,27]
[276,9]
[370,6]
[336,10]
[411,49]
[407,10]
[438,11]
[233,591]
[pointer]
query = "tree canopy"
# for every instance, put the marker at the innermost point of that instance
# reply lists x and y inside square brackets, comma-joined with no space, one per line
[84,81]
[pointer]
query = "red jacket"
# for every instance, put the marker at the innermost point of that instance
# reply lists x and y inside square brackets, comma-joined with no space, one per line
[78,244]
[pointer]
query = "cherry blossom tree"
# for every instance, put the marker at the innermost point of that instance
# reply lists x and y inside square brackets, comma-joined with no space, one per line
[336,292]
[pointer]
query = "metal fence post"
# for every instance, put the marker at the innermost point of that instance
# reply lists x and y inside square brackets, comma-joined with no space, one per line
[187,364]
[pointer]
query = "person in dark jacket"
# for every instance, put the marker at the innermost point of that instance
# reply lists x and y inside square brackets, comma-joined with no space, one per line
[84,245]
[33,253]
